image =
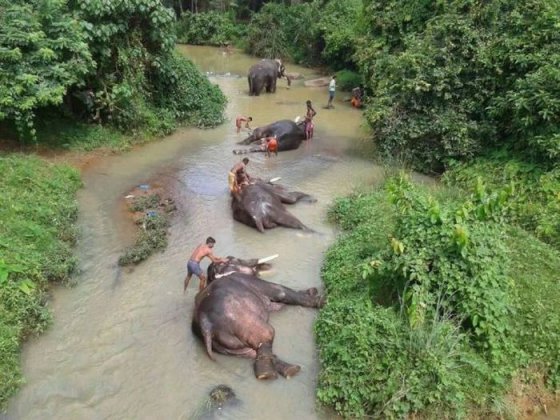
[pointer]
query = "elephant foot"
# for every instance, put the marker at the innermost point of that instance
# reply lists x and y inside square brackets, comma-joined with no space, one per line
[264,368]
[285,369]
[264,364]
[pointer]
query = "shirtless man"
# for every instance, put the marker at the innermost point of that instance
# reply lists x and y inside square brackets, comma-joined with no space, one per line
[309,114]
[240,120]
[238,176]
[193,266]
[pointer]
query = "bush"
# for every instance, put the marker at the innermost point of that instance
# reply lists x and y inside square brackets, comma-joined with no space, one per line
[209,28]
[348,80]
[288,32]
[534,206]
[38,213]
[434,303]
[450,82]
[115,59]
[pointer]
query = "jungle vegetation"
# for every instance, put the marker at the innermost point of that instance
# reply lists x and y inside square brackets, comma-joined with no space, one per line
[76,75]
[441,298]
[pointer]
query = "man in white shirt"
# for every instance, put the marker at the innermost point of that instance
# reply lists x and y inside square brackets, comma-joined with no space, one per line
[332,89]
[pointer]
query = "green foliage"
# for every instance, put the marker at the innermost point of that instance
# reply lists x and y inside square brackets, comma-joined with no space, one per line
[450,81]
[43,52]
[210,28]
[536,322]
[288,32]
[340,26]
[450,258]
[434,302]
[37,216]
[100,61]
[152,238]
[535,205]
[374,365]
[348,80]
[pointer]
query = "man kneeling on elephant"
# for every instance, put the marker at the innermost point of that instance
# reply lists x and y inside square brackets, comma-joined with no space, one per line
[238,176]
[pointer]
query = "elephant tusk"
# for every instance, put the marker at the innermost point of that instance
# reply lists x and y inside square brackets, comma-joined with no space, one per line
[227,273]
[278,178]
[267,259]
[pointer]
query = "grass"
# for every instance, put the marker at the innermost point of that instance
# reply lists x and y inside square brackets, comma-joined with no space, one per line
[37,230]
[153,230]
[373,363]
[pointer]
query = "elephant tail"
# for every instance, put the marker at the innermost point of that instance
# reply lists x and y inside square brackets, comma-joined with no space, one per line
[206,330]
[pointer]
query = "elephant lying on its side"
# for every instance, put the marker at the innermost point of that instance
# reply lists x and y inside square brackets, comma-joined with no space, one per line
[260,205]
[288,133]
[231,316]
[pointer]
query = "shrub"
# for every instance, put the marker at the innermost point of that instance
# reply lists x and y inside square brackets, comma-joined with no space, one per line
[449,82]
[38,212]
[209,28]
[289,32]
[348,80]
[534,206]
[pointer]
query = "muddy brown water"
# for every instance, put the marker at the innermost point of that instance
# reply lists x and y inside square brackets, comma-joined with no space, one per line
[120,345]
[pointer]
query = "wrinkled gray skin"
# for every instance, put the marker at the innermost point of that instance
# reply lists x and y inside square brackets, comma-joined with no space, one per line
[264,74]
[231,316]
[261,205]
[289,136]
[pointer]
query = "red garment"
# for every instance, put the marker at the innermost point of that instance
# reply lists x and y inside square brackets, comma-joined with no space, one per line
[272,145]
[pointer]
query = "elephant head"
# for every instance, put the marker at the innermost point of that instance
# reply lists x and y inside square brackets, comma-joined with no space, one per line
[237,265]
[282,71]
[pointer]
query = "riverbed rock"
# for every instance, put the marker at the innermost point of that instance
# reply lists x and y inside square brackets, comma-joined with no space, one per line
[320,82]
[294,76]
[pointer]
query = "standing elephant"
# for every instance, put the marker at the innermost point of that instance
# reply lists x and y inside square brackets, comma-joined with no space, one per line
[289,136]
[231,316]
[260,205]
[264,74]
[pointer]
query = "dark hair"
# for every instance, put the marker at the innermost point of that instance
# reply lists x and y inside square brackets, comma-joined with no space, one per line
[245,161]
[334,76]
[308,102]
[250,118]
[210,240]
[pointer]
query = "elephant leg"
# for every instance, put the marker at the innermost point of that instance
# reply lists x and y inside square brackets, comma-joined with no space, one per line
[287,220]
[250,86]
[269,224]
[282,294]
[287,370]
[273,86]
[264,363]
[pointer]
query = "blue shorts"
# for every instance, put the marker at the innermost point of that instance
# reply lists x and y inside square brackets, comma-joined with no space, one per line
[331,94]
[194,268]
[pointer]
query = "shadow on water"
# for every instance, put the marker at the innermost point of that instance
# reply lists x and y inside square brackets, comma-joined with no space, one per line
[120,345]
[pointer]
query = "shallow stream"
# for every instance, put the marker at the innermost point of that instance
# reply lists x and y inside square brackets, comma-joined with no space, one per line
[120,345]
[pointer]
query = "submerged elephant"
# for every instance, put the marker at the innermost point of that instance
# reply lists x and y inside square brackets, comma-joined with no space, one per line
[231,316]
[261,205]
[289,136]
[264,74]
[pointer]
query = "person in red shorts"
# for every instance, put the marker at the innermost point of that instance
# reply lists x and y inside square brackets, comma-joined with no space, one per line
[271,146]
[240,120]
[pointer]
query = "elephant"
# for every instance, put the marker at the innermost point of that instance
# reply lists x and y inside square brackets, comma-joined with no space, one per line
[264,74]
[231,316]
[260,205]
[288,133]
